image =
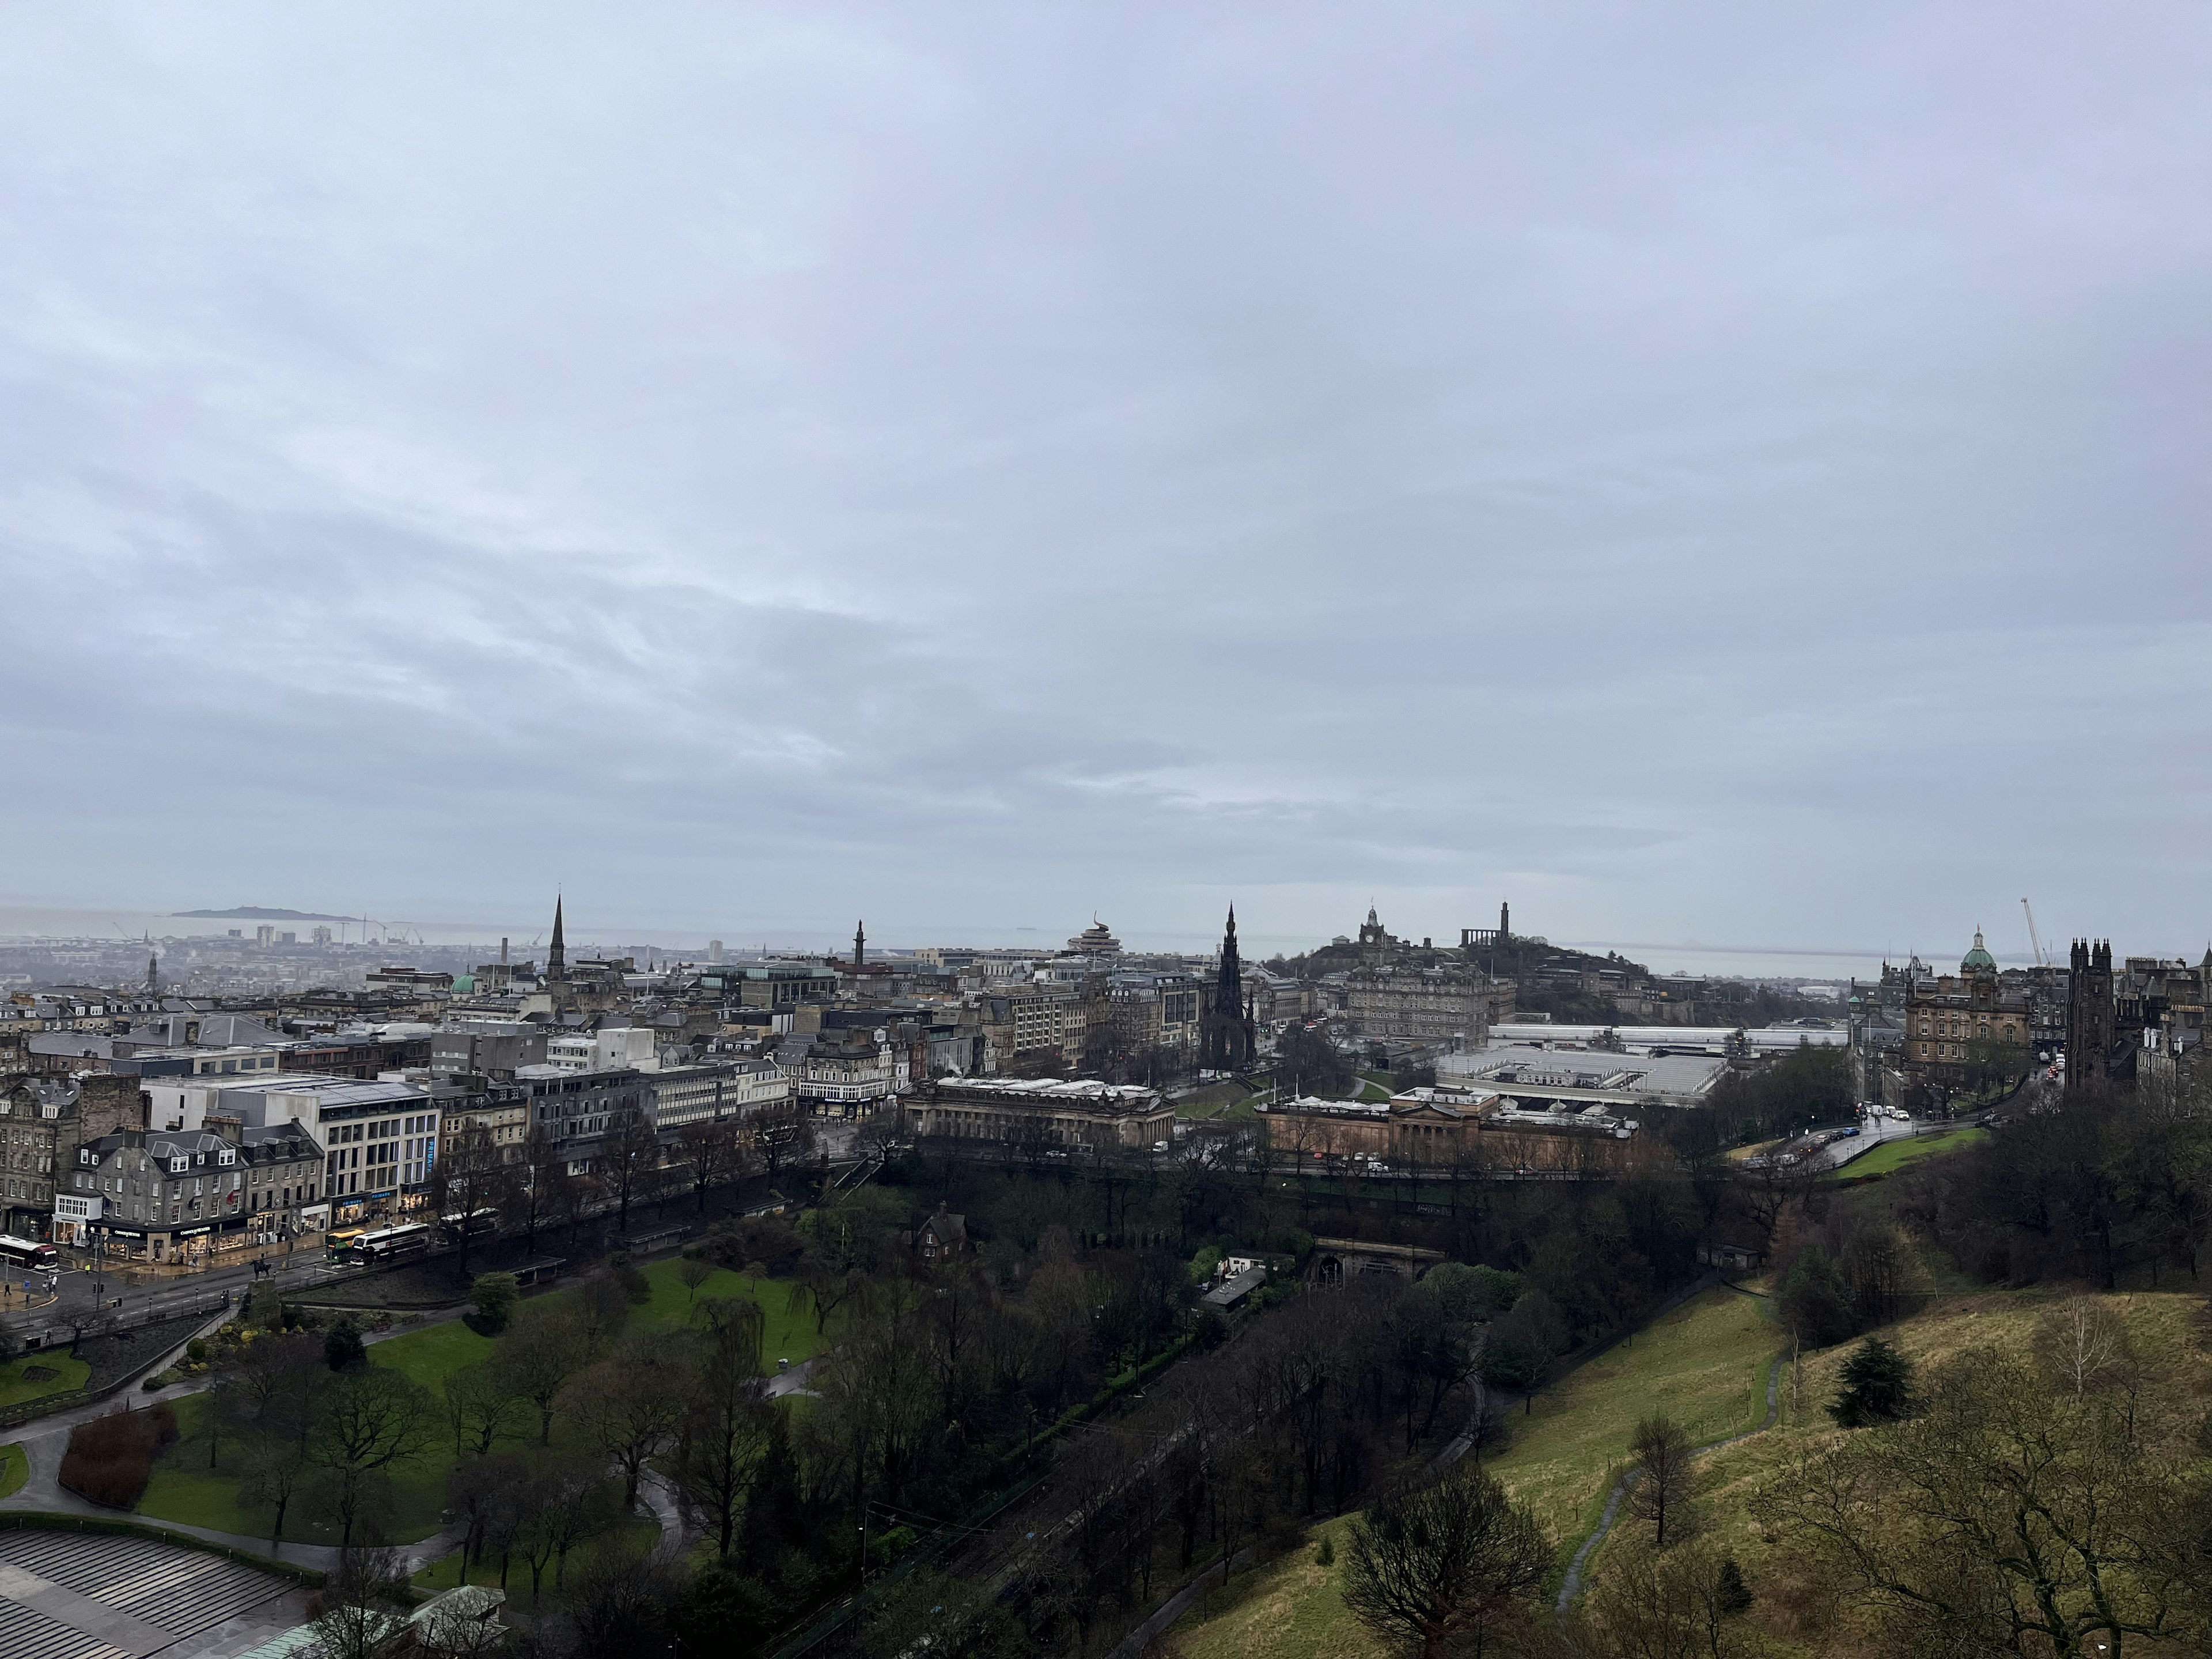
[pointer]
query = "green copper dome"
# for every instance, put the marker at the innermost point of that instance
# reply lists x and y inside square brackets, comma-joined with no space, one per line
[1976,957]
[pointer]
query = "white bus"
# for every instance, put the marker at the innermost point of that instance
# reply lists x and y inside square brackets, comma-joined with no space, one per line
[27,1252]
[393,1242]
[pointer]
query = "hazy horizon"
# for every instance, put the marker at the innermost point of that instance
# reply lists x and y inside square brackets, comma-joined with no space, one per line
[20,923]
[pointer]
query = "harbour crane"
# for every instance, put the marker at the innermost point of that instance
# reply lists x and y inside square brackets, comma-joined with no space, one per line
[2041,961]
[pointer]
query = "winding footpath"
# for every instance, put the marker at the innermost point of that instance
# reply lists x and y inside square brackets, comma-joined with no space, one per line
[44,1439]
[1571,1586]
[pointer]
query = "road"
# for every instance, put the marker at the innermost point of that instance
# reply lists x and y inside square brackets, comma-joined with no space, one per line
[83,1295]
[1872,1133]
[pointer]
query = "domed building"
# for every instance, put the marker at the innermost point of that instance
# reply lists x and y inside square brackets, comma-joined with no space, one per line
[1967,1030]
[1978,960]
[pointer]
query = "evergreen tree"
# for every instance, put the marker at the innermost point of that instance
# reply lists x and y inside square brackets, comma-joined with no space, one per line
[1730,1593]
[1877,1385]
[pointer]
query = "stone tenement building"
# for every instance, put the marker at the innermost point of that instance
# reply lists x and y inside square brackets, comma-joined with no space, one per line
[1420,1005]
[43,1120]
[1952,1024]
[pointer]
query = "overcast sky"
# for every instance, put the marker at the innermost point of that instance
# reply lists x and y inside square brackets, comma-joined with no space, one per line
[1703,472]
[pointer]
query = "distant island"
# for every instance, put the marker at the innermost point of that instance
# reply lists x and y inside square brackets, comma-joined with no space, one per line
[259,913]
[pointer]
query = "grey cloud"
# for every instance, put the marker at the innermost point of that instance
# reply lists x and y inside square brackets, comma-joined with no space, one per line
[1697,470]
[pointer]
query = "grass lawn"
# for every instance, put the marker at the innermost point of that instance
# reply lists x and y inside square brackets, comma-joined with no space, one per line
[1214,1100]
[185,1488]
[15,1470]
[68,1372]
[433,1354]
[1891,1153]
[1290,1608]
[1704,1366]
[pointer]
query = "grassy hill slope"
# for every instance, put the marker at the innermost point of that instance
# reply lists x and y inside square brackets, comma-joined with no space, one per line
[1706,1365]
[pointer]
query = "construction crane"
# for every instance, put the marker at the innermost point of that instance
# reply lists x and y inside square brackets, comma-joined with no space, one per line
[2041,961]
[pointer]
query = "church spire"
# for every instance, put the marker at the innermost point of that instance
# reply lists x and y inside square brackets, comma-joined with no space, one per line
[556,958]
[860,943]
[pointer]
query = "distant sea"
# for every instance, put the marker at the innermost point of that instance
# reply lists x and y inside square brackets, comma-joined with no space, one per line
[20,922]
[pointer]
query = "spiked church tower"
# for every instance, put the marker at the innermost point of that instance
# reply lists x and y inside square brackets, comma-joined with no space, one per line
[556,958]
[1227,1044]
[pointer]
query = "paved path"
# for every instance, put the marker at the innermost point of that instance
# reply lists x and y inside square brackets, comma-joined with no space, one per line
[1175,1607]
[792,1380]
[44,1439]
[1571,1586]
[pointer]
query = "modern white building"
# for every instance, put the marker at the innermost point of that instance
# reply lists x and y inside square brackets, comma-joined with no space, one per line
[622,1047]
[717,1091]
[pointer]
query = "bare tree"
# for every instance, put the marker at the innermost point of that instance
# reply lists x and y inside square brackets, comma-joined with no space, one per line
[618,1605]
[629,1154]
[533,1190]
[542,1349]
[276,1468]
[631,1405]
[694,1271]
[481,1404]
[1660,1488]
[274,1378]
[2082,1345]
[780,1136]
[572,1197]
[362,1607]
[1445,1568]
[371,1419]
[724,1430]
[467,1177]
[714,1153]
[2004,1517]
[580,1505]
[1686,1604]
[818,1288]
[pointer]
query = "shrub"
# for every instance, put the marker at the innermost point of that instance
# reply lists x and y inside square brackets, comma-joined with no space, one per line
[110,1458]
[636,1286]
[1326,1555]
[343,1349]
[197,1351]
[495,1295]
